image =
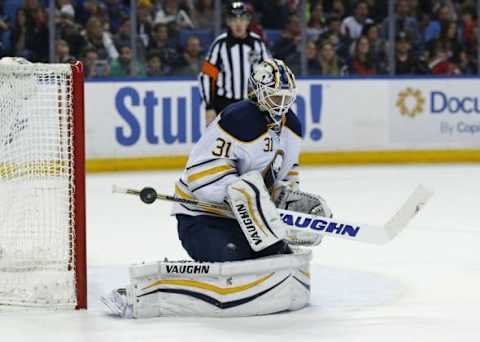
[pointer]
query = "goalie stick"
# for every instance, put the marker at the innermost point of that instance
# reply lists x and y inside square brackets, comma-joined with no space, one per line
[363,232]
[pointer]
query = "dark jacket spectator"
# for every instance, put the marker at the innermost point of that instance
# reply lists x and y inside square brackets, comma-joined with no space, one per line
[202,14]
[37,37]
[3,28]
[274,13]
[161,41]
[154,65]
[288,45]
[406,63]
[70,32]
[89,9]
[115,10]
[18,34]
[93,67]
[191,60]
[123,38]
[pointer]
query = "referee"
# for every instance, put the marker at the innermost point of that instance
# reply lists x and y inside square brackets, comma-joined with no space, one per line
[229,62]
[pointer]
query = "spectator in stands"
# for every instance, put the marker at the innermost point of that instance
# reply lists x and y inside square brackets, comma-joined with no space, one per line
[202,15]
[171,14]
[466,64]
[93,67]
[362,62]
[65,6]
[161,41]
[89,9]
[123,37]
[469,27]
[255,26]
[377,46]
[144,21]
[70,31]
[154,64]
[62,52]
[115,10]
[30,6]
[313,62]
[449,39]
[317,23]
[439,63]
[406,62]
[289,44]
[404,22]
[101,40]
[352,26]
[3,29]
[330,63]
[37,37]
[124,65]
[191,60]
[338,8]
[17,36]
[443,14]
[334,35]
[274,13]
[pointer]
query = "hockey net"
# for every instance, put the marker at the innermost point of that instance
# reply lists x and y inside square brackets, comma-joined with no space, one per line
[42,185]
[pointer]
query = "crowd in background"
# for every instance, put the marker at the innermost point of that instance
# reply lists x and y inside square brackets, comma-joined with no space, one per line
[344,37]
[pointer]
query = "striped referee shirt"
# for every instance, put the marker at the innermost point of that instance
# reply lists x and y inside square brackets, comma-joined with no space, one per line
[228,65]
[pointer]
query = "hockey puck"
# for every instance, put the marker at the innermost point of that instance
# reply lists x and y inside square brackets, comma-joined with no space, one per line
[148,195]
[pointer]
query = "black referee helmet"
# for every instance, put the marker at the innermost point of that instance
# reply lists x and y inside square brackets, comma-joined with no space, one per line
[238,9]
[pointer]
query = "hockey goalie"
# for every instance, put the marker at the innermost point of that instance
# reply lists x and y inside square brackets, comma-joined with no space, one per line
[245,263]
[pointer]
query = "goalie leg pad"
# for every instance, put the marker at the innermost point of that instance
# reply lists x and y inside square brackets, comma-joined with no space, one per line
[255,212]
[230,289]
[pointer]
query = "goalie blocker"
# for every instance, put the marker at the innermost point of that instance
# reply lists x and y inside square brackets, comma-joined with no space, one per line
[228,289]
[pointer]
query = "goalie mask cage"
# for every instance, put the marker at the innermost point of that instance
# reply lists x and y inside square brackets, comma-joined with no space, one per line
[42,185]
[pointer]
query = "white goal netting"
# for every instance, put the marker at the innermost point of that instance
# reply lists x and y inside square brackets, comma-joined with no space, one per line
[37,259]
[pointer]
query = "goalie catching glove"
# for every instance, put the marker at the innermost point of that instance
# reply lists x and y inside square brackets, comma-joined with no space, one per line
[289,198]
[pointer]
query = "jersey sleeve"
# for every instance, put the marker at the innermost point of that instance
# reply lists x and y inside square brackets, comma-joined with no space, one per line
[209,73]
[213,165]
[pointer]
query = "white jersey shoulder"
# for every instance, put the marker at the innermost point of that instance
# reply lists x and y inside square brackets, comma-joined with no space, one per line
[239,141]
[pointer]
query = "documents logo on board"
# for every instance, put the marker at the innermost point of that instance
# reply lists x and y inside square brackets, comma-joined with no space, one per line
[410,102]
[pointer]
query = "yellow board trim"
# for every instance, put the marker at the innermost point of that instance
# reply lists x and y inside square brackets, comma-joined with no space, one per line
[209,287]
[208,172]
[307,158]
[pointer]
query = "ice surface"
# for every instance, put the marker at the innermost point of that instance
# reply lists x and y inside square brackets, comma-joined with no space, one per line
[423,286]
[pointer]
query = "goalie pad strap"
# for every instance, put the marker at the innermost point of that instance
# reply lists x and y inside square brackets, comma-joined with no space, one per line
[255,212]
[240,288]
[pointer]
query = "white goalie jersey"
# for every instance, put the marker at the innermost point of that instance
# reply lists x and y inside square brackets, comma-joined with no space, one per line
[239,141]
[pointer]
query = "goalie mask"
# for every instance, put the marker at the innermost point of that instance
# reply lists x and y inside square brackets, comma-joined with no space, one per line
[272,86]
